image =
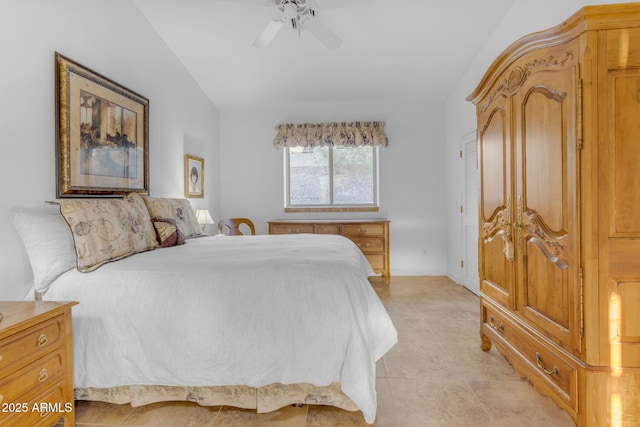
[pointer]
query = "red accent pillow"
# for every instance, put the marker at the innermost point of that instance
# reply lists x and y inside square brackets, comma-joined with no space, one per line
[167,232]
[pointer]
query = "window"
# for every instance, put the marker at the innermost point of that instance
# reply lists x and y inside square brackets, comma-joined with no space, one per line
[331,178]
[331,166]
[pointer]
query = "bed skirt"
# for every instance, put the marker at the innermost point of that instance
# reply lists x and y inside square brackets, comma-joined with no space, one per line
[264,399]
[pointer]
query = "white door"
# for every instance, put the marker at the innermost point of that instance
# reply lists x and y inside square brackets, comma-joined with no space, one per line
[470,274]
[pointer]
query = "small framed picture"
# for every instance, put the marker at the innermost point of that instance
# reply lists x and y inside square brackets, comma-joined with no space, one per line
[193,176]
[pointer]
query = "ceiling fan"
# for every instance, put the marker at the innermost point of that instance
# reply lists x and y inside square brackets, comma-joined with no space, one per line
[300,14]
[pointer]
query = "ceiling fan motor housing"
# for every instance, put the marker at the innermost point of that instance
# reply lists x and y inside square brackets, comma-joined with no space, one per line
[301,14]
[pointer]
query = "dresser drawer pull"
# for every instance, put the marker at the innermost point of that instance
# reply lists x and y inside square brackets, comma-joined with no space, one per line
[42,340]
[362,230]
[499,328]
[43,375]
[555,369]
[366,245]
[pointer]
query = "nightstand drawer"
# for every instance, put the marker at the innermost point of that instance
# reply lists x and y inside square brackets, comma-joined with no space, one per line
[369,245]
[38,374]
[291,228]
[363,230]
[30,344]
[43,409]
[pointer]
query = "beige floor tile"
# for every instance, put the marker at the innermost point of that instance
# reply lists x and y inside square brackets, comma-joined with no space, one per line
[168,413]
[88,412]
[386,414]
[512,403]
[418,360]
[473,364]
[289,416]
[327,416]
[436,403]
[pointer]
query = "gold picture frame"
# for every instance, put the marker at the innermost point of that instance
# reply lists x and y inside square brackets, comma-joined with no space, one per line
[102,134]
[193,176]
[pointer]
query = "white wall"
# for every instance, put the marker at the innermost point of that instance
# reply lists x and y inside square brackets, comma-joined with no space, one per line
[412,175]
[114,39]
[522,18]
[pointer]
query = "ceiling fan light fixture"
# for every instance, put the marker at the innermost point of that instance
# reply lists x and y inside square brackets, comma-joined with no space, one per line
[290,10]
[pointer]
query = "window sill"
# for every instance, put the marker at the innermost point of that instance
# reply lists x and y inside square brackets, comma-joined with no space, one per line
[334,209]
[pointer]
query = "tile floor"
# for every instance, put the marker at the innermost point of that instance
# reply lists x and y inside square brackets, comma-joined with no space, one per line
[435,376]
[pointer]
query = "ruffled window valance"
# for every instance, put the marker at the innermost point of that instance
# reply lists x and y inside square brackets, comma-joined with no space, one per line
[349,134]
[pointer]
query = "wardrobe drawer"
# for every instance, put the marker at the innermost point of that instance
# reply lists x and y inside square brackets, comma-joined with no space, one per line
[291,228]
[363,229]
[30,344]
[38,374]
[540,361]
[552,366]
[369,245]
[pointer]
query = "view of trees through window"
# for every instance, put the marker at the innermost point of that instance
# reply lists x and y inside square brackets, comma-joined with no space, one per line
[328,176]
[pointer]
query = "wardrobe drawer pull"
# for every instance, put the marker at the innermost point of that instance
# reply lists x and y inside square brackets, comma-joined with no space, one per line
[43,375]
[555,369]
[499,328]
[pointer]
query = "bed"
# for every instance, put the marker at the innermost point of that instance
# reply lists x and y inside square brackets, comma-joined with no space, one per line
[249,321]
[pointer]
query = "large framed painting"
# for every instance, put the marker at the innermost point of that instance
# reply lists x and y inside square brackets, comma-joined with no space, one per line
[193,176]
[102,134]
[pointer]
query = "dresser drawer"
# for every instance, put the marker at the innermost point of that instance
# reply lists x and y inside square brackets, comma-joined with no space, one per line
[291,228]
[33,342]
[370,235]
[540,361]
[363,230]
[376,261]
[369,244]
[38,374]
[327,228]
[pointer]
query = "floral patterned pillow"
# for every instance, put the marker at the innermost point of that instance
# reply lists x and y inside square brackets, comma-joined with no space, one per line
[179,210]
[106,230]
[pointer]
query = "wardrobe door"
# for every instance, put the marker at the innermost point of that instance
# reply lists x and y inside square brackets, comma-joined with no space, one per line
[620,208]
[546,205]
[496,239]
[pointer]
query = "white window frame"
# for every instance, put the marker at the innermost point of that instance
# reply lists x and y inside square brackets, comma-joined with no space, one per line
[331,206]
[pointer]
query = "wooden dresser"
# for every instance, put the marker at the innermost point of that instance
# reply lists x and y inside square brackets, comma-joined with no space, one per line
[371,236]
[559,212]
[36,363]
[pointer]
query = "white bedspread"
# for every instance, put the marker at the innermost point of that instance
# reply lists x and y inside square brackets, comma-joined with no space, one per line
[245,310]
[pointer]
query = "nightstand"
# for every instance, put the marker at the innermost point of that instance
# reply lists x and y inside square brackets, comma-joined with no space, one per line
[36,363]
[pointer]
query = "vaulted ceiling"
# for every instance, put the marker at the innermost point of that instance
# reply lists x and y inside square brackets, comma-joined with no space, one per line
[392,50]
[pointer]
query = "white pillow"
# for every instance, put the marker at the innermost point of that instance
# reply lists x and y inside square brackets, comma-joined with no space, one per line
[49,245]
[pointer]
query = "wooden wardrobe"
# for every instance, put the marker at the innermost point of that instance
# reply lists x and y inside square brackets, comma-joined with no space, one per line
[559,153]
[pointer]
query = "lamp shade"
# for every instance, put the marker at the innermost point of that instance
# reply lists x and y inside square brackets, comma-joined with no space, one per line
[204,217]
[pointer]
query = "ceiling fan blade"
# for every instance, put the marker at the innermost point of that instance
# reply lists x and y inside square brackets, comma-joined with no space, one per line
[334,4]
[322,33]
[244,1]
[269,33]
